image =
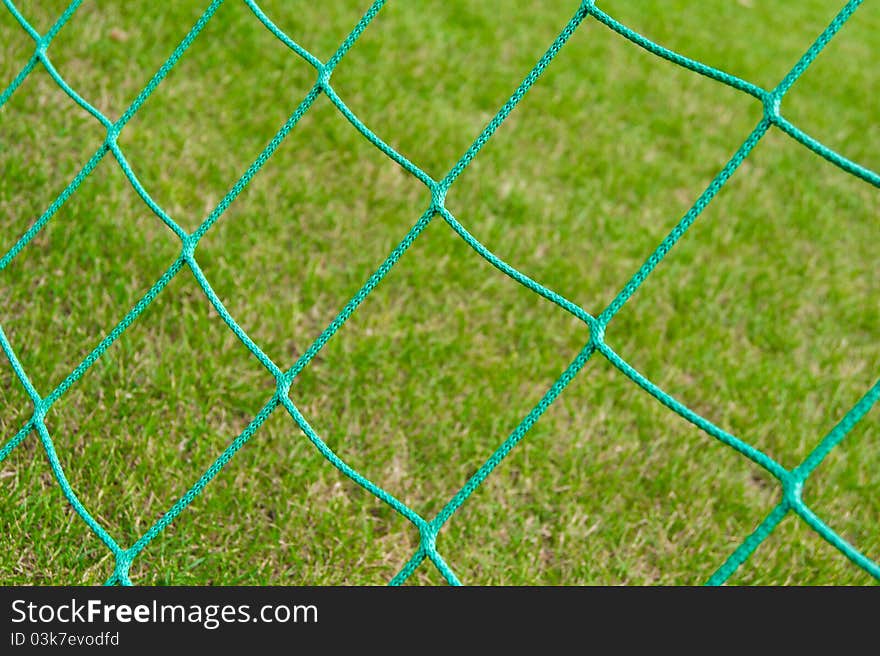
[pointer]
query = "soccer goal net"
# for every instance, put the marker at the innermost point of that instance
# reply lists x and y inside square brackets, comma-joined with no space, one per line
[282,400]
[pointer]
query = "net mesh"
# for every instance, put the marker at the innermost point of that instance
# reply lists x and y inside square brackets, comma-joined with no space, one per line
[791,481]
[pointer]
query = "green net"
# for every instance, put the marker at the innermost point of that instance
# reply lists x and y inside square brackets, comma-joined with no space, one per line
[790,480]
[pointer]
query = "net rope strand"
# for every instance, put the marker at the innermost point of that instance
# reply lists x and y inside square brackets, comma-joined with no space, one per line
[791,481]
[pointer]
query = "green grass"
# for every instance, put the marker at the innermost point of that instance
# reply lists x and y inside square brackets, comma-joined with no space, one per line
[765,318]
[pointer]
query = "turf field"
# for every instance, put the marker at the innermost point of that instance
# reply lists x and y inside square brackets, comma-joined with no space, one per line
[764,318]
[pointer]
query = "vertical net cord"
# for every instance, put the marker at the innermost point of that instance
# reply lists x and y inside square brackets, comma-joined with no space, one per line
[791,481]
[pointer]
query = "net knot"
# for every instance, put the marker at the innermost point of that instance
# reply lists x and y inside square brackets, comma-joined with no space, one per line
[324,74]
[772,102]
[113,131]
[123,564]
[428,539]
[438,196]
[42,46]
[40,409]
[283,384]
[597,331]
[189,248]
[792,491]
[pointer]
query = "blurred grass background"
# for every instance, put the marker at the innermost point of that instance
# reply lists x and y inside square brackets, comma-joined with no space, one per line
[765,318]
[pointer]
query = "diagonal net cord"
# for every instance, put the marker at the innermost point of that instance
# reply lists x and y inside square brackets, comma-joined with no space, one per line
[791,481]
